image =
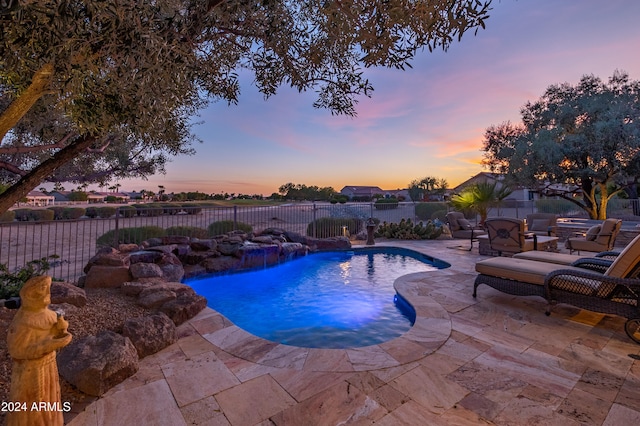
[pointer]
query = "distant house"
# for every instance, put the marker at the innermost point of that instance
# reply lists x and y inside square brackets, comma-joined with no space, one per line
[520,193]
[39,199]
[101,197]
[61,196]
[356,191]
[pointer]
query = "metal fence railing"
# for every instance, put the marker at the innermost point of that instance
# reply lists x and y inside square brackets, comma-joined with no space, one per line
[75,242]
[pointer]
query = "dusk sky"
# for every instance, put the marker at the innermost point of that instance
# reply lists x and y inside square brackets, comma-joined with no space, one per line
[426,121]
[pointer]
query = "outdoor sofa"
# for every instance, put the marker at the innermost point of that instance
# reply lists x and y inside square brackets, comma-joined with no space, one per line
[460,227]
[616,290]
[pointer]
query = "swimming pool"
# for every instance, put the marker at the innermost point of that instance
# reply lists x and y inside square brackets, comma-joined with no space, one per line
[338,299]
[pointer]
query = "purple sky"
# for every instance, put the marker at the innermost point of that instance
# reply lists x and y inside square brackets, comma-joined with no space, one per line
[427,121]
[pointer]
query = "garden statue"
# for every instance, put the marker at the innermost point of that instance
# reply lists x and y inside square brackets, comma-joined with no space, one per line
[34,335]
[371,228]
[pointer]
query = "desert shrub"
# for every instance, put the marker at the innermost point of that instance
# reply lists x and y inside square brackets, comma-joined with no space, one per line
[127,211]
[58,212]
[327,227]
[386,204]
[187,231]
[129,235]
[425,211]
[8,216]
[192,208]
[106,212]
[149,209]
[407,230]
[41,215]
[12,282]
[91,212]
[559,207]
[223,226]
[73,213]
[23,215]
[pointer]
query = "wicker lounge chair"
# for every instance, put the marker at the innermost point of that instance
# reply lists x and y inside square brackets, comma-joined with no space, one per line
[461,228]
[544,224]
[598,238]
[614,291]
[507,235]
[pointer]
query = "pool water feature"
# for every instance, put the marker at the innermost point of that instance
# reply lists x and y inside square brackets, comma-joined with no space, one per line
[338,299]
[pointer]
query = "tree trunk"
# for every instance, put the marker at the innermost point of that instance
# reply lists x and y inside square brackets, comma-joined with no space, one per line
[23,103]
[37,175]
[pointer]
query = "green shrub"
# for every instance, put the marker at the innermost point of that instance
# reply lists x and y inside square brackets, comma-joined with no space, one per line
[106,212]
[386,204]
[12,282]
[559,207]
[129,235]
[425,211]
[127,211]
[73,213]
[407,230]
[23,215]
[91,212]
[41,215]
[223,226]
[327,227]
[8,216]
[149,209]
[58,212]
[187,231]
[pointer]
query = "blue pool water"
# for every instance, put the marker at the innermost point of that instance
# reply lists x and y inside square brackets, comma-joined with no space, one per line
[339,299]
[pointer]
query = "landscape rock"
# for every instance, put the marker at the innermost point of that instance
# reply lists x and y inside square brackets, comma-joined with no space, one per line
[62,292]
[191,271]
[184,307]
[145,256]
[203,245]
[175,239]
[134,288]
[145,270]
[128,248]
[156,298]
[221,264]
[150,334]
[95,364]
[107,276]
[171,267]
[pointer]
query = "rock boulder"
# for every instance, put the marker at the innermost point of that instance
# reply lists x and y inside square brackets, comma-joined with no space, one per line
[151,333]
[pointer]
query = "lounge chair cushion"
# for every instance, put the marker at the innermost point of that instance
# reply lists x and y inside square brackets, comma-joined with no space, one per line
[546,256]
[464,224]
[627,264]
[606,231]
[539,225]
[592,233]
[513,268]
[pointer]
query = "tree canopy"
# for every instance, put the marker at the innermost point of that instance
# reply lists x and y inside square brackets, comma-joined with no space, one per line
[576,139]
[423,189]
[110,87]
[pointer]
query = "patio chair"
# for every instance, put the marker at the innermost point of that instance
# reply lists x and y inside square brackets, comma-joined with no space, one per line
[460,227]
[542,224]
[508,235]
[614,291]
[598,238]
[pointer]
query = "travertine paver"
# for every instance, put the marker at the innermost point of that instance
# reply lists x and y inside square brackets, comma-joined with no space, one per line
[496,359]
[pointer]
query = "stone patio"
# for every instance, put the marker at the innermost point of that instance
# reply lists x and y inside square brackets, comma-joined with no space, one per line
[496,359]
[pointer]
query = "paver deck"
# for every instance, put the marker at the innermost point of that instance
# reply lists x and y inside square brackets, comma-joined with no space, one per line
[496,359]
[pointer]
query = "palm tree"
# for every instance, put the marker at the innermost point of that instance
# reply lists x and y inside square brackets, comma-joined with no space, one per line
[480,197]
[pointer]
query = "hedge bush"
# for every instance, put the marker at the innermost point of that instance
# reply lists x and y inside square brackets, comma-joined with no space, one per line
[426,211]
[58,212]
[106,212]
[188,231]
[73,213]
[223,226]
[559,207]
[327,227]
[91,212]
[127,211]
[386,204]
[130,235]
[8,216]
[22,215]
[40,215]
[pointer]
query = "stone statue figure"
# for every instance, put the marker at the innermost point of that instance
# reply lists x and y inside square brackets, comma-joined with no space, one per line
[34,335]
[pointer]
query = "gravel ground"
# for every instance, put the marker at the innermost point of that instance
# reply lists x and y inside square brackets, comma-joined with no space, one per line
[106,309]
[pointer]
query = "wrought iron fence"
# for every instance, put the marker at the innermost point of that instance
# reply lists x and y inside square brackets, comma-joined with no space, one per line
[76,241]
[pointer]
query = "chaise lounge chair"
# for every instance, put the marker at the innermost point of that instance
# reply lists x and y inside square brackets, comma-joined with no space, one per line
[460,227]
[598,238]
[544,224]
[614,291]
